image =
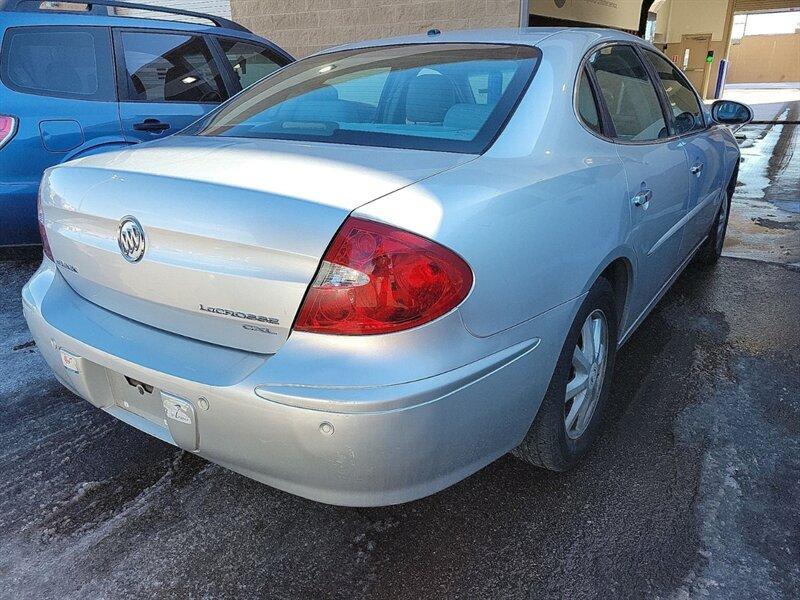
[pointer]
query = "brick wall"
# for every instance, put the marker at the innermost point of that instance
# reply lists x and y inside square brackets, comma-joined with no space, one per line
[305,26]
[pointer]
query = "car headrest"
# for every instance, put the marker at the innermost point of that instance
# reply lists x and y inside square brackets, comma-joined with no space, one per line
[429,97]
[467,116]
[325,92]
[338,111]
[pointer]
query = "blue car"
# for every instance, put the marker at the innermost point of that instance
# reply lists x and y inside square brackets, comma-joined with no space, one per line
[79,79]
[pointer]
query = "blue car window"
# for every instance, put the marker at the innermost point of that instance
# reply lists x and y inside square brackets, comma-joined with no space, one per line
[449,97]
[166,67]
[68,62]
[250,62]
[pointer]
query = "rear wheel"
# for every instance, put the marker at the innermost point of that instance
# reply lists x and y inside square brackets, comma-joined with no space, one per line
[569,418]
[711,249]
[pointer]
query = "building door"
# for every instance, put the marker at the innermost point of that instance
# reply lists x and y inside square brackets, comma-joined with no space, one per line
[692,58]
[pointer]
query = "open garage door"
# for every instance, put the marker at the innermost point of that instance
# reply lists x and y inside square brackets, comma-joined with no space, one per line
[757,5]
[764,72]
[763,66]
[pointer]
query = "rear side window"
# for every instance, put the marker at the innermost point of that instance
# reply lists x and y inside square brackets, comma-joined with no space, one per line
[67,62]
[629,94]
[166,67]
[587,107]
[250,62]
[682,100]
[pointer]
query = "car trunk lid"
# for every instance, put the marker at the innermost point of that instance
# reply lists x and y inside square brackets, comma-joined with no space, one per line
[234,229]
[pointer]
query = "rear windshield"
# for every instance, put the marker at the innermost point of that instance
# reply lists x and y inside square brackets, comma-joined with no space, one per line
[448,97]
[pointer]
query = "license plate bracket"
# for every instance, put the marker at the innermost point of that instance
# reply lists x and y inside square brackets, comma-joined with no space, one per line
[138,397]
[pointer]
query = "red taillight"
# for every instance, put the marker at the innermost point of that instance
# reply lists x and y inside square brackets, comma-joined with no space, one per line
[42,229]
[8,127]
[378,279]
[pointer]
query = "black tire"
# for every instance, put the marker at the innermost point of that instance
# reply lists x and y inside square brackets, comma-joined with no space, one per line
[547,443]
[711,250]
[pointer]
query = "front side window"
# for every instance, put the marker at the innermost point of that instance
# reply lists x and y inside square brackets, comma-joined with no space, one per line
[166,67]
[629,94]
[68,62]
[249,61]
[682,100]
[449,97]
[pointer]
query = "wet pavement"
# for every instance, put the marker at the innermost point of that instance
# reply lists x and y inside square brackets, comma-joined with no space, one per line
[769,101]
[765,215]
[691,492]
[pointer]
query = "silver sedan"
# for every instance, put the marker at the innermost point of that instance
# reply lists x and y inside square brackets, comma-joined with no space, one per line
[384,266]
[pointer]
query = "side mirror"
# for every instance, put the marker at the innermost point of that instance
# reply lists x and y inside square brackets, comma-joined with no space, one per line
[729,112]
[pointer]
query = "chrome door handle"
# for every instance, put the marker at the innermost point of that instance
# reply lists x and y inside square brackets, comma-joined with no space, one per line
[642,198]
[697,168]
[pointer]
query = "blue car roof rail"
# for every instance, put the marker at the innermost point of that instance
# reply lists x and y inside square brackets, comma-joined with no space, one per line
[94,6]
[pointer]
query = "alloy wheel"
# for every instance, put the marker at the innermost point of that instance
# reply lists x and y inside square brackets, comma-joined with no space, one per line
[722,221]
[586,374]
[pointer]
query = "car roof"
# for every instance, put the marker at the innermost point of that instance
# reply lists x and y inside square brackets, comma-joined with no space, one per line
[13,18]
[525,36]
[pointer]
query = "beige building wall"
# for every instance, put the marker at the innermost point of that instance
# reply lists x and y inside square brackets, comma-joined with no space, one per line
[303,27]
[622,14]
[694,16]
[765,59]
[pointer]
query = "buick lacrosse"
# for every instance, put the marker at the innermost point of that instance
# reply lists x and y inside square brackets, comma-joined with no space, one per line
[382,267]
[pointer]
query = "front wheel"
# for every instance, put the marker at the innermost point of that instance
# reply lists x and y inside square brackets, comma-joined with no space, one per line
[569,418]
[711,249]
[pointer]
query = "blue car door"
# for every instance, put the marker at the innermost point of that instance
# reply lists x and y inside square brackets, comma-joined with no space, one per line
[704,148]
[167,80]
[58,83]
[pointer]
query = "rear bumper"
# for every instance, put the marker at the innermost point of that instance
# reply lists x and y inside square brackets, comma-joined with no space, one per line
[324,443]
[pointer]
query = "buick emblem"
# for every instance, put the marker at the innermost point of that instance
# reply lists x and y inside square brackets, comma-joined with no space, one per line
[130,237]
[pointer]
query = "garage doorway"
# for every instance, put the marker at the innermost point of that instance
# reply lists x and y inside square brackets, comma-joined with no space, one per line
[764,61]
[692,54]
